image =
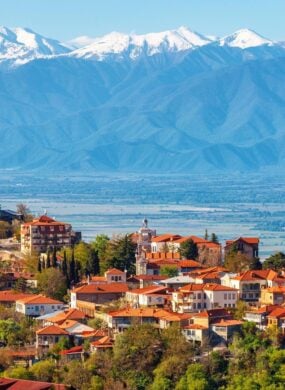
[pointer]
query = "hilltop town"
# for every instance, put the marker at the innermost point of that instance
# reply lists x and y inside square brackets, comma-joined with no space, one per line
[146,310]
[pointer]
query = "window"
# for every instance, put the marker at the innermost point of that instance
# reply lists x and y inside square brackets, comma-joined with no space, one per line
[199,296]
[205,296]
[37,308]
[233,296]
[225,296]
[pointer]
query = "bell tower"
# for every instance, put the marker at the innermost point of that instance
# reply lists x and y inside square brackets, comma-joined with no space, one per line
[145,235]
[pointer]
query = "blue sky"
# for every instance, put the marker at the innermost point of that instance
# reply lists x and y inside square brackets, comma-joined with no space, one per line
[66,19]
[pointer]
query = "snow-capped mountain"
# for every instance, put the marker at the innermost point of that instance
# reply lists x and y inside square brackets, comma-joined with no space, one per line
[245,39]
[134,45]
[22,45]
[174,101]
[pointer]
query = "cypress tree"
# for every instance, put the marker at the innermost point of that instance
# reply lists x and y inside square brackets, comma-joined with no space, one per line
[206,235]
[39,265]
[48,260]
[54,259]
[64,269]
[72,267]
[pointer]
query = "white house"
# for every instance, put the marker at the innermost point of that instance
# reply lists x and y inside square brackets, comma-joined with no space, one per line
[196,297]
[147,296]
[38,305]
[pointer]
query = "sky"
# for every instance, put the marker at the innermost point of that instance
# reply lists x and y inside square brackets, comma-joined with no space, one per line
[67,19]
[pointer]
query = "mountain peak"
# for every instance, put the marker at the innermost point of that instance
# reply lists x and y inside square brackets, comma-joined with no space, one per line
[23,44]
[136,44]
[244,39]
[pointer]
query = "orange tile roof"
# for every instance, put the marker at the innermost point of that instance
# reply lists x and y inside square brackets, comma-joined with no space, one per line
[189,264]
[68,324]
[23,384]
[77,349]
[205,287]
[248,240]
[71,314]
[13,296]
[149,277]
[142,312]
[44,220]
[39,299]
[277,313]
[148,290]
[263,309]
[102,288]
[52,330]
[212,313]
[104,342]
[195,326]
[275,289]
[256,275]
[166,237]
[95,333]
[114,271]
[228,323]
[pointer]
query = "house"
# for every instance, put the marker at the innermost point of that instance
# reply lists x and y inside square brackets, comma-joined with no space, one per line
[88,297]
[49,336]
[273,296]
[38,305]
[121,319]
[259,315]
[250,283]
[140,281]
[209,253]
[163,242]
[194,297]
[224,330]
[45,233]
[74,353]
[245,245]
[211,326]
[114,275]
[208,275]
[102,344]
[8,297]
[177,281]
[195,333]
[277,318]
[69,314]
[147,296]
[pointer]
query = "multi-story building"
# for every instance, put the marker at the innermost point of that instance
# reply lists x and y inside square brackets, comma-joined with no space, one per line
[45,233]
[196,297]
[245,245]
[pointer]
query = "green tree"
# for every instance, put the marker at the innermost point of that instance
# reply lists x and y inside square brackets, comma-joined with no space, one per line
[8,330]
[195,378]
[136,353]
[18,373]
[48,263]
[77,376]
[100,245]
[72,269]
[54,258]
[169,270]
[275,262]
[43,370]
[206,236]
[64,269]
[237,262]
[52,282]
[39,265]
[189,250]
[214,238]
[121,253]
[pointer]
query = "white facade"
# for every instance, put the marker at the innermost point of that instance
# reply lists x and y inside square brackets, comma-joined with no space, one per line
[37,309]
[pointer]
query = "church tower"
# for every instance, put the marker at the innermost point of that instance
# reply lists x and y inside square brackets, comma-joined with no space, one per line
[145,235]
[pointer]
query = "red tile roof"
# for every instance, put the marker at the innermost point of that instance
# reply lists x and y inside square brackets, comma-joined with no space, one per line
[195,326]
[247,240]
[52,330]
[277,313]
[166,237]
[148,290]
[228,323]
[102,288]
[114,271]
[78,349]
[40,300]
[22,384]
[13,296]
[104,342]
[256,275]
[148,277]
[71,314]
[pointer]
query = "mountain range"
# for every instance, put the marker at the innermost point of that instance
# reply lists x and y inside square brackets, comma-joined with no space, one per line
[174,101]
